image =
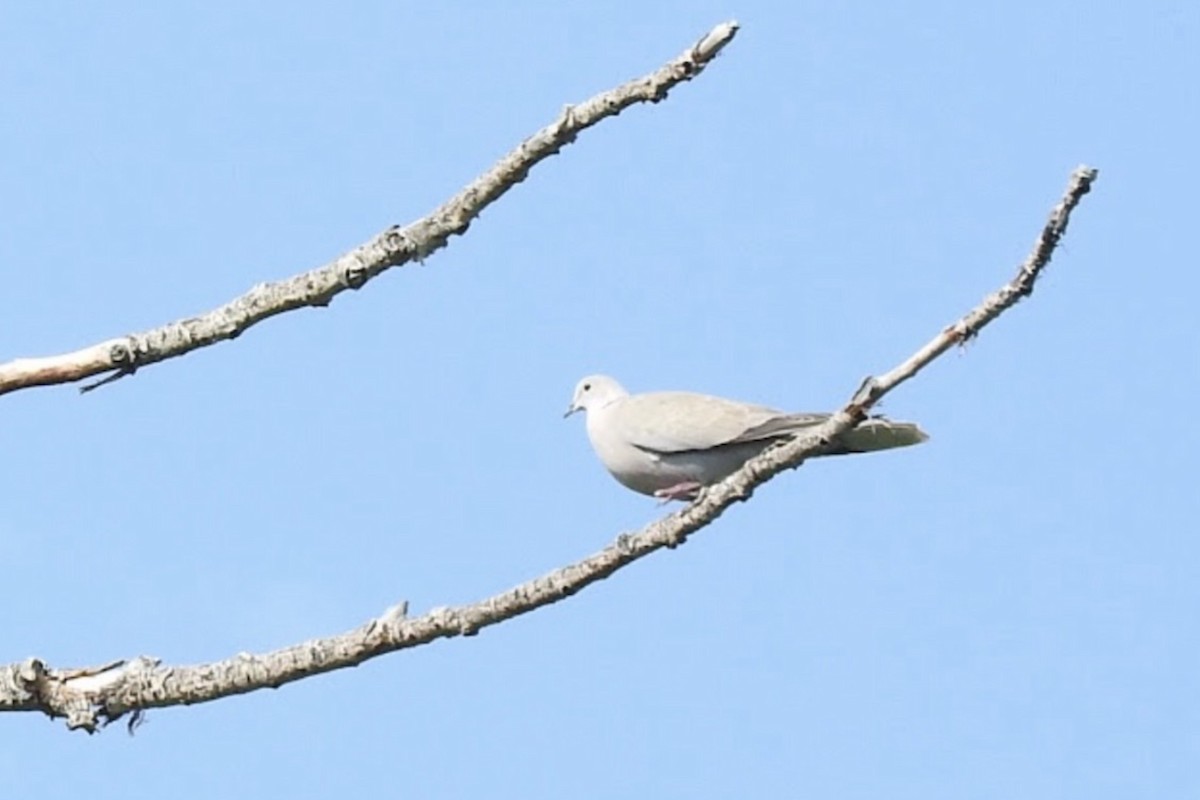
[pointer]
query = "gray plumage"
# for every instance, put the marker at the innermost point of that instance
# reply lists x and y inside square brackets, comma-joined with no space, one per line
[672,444]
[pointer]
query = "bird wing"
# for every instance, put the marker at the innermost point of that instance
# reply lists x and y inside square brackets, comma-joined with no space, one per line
[676,422]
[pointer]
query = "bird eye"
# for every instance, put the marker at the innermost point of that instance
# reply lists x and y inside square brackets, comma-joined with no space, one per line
[587,387]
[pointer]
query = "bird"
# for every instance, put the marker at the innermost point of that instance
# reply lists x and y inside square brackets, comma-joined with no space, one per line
[671,445]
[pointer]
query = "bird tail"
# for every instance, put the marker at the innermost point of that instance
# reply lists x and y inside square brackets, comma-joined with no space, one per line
[880,434]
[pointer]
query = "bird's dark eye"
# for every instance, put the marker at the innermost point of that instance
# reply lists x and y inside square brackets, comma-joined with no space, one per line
[587,387]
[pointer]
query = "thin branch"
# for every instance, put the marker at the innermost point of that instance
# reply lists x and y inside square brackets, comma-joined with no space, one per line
[392,248]
[90,697]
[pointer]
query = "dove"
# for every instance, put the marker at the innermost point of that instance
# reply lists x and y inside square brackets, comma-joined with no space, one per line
[670,445]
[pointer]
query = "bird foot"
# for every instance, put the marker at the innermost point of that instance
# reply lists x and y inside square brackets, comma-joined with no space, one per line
[687,490]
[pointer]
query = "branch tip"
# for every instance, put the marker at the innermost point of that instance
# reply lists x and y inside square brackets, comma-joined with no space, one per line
[715,40]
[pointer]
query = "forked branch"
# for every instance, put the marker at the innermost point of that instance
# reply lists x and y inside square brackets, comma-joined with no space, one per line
[90,697]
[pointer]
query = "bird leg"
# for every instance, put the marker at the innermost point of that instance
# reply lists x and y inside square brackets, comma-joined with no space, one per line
[685,490]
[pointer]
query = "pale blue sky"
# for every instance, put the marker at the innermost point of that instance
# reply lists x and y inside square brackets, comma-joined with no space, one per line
[1007,611]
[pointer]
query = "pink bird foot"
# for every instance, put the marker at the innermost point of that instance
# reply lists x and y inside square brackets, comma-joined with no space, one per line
[687,490]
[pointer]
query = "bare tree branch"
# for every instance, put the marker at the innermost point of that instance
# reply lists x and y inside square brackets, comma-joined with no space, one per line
[394,247]
[90,697]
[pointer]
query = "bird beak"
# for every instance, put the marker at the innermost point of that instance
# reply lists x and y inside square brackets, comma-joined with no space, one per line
[570,411]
